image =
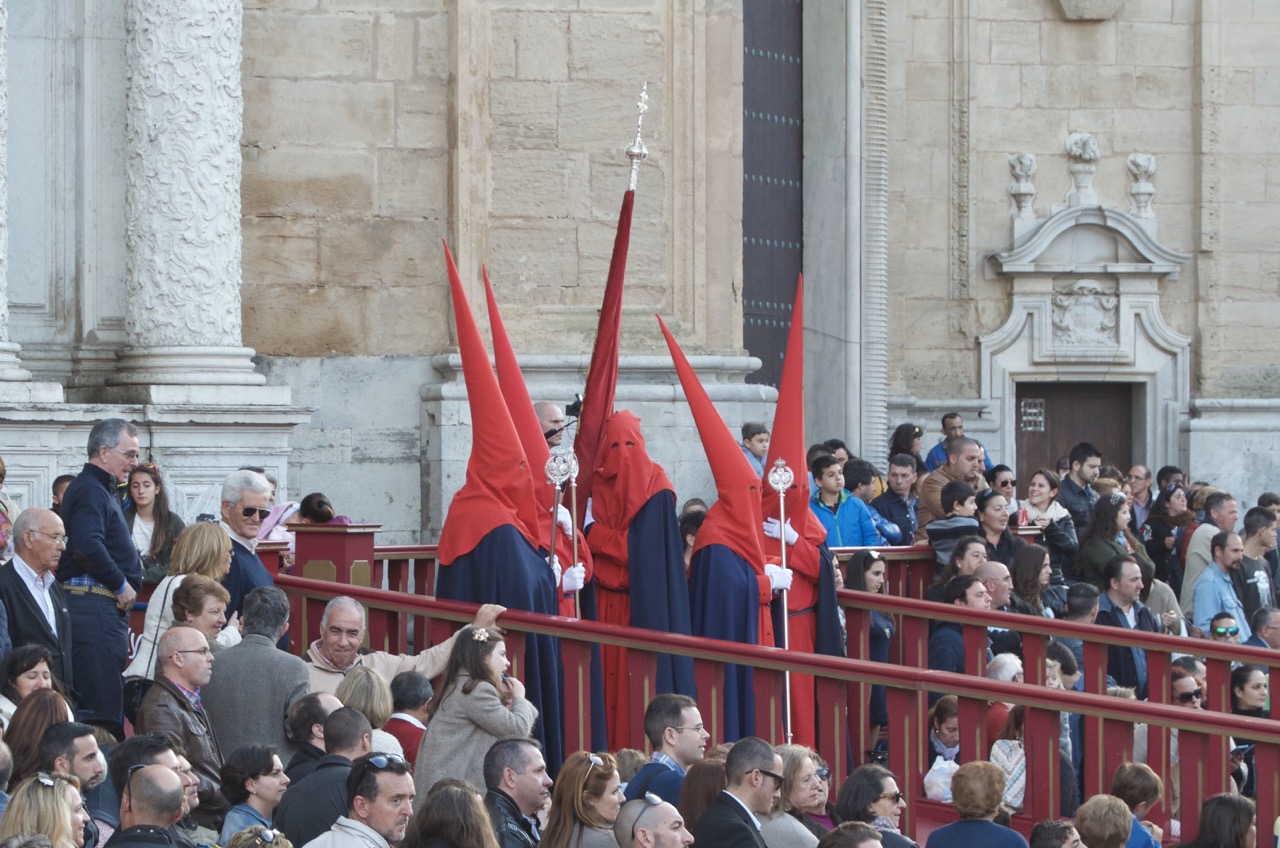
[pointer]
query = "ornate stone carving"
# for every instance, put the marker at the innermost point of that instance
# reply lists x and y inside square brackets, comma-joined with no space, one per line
[1142,167]
[1082,149]
[182,201]
[1085,314]
[1023,167]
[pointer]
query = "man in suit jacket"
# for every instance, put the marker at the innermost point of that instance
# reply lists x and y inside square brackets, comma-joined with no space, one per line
[254,683]
[754,774]
[30,593]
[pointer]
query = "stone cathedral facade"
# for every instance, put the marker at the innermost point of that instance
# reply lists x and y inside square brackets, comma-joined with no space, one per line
[223,220]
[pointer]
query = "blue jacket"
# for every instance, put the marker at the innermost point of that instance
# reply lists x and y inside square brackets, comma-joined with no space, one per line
[849,525]
[99,543]
[901,512]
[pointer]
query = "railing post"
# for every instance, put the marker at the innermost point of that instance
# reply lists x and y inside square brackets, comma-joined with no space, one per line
[344,545]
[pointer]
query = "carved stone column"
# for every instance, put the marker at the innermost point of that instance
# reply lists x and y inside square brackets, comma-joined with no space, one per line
[15,381]
[182,204]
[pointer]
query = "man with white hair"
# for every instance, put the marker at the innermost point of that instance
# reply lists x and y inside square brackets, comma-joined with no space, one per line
[337,651]
[246,502]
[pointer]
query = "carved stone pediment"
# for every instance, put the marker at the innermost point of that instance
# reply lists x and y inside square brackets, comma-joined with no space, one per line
[1081,239]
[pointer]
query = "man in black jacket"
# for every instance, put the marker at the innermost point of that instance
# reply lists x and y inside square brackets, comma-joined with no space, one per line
[1119,607]
[34,600]
[313,804]
[515,775]
[151,803]
[754,774]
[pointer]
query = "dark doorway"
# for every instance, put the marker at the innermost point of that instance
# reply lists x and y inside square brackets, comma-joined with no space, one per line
[772,159]
[1053,417]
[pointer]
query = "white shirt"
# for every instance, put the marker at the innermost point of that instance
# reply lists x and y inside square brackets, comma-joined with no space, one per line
[38,585]
[755,821]
[251,544]
[410,719]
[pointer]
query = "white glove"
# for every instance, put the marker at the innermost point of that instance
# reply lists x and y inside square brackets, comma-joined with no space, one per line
[587,518]
[564,520]
[555,567]
[771,530]
[574,579]
[779,577]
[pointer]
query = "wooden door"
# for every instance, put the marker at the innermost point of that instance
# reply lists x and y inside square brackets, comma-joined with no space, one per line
[1053,417]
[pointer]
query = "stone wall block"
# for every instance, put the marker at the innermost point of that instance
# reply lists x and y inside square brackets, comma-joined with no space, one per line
[542,46]
[527,258]
[1156,44]
[646,262]
[381,252]
[435,49]
[1015,42]
[281,45]
[297,181]
[1113,86]
[990,83]
[600,117]
[337,114]
[410,320]
[1050,87]
[318,320]
[1008,10]
[422,116]
[537,184]
[396,47]
[930,39]
[524,115]
[932,80]
[610,47]
[413,183]
[1091,43]
[280,252]
[393,6]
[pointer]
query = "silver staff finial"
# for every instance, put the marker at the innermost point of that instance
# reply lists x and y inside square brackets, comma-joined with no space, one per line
[636,151]
[780,476]
[562,466]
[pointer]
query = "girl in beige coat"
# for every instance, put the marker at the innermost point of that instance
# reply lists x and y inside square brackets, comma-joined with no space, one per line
[477,706]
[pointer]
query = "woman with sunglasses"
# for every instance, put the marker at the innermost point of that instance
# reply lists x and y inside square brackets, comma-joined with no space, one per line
[585,803]
[866,572]
[50,804]
[253,782]
[153,525]
[478,705]
[871,795]
[204,548]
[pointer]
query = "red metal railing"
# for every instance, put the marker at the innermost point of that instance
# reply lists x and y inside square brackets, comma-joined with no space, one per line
[404,617]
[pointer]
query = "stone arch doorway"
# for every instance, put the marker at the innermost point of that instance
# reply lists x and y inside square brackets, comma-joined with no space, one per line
[1052,417]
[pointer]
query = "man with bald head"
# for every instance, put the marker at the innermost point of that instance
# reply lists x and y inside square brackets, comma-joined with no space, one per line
[643,824]
[150,804]
[337,651]
[551,421]
[30,593]
[172,708]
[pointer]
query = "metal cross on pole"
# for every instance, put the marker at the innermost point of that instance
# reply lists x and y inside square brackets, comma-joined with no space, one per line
[780,480]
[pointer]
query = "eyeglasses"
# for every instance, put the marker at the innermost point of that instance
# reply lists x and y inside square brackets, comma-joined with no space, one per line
[1193,695]
[823,773]
[896,797]
[774,775]
[694,727]
[1136,478]
[58,539]
[1004,484]
[251,511]
[651,801]
[132,456]
[204,650]
[1226,631]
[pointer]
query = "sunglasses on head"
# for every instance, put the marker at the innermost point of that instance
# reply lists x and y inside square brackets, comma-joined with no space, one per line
[651,801]
[1226,631]
[1188,697]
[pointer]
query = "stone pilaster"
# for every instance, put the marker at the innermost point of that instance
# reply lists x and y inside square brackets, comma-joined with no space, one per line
[182,208]
[15,381]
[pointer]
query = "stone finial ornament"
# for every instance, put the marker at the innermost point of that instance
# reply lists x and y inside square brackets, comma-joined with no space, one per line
[1023,167]
[1082,149]
[1142,167]
[636,150]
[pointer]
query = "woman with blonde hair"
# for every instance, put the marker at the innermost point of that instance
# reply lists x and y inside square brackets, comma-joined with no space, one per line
[977,789]
[585,803]
[50,804]
[802,790]
[203,548]
[368,693]
[478,705]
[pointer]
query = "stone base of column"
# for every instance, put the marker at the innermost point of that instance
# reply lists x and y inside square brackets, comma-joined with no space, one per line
[16,385]
[203,376]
